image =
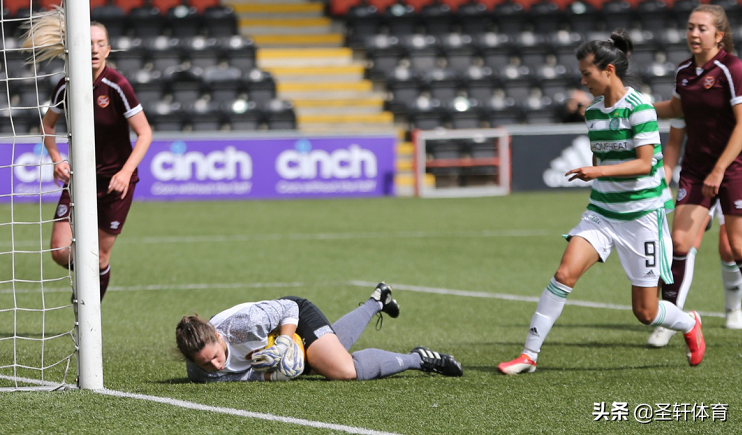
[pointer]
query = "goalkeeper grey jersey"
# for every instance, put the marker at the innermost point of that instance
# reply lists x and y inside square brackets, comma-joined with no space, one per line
[245,328]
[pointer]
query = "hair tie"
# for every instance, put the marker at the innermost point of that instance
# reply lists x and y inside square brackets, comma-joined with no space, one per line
[611,41]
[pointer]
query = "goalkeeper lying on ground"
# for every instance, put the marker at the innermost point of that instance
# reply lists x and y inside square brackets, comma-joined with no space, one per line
[232,345]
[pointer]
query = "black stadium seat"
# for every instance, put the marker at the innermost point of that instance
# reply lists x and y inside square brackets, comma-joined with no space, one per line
[363,22]
[146,22]
[219,21]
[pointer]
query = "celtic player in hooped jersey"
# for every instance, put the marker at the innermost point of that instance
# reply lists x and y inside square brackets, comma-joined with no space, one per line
[627,205]
[615,133]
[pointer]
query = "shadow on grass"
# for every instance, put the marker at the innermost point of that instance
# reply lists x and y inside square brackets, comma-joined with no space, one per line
[599,345]
[493,369]
[631,327]
[302,378]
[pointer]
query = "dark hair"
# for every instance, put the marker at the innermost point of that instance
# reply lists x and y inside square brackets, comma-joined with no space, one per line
[614,51]
[192,334]
[721,22]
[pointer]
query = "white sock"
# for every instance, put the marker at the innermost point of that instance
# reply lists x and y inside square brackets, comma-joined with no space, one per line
[690,263]
[672,317]
[732,279]
[549,308]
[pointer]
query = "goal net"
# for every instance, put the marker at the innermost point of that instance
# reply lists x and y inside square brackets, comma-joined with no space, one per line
[49,315]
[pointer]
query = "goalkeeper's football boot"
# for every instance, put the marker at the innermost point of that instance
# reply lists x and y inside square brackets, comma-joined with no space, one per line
[695,342]
[383,294]
[660,337]
[434,362]
[522,364]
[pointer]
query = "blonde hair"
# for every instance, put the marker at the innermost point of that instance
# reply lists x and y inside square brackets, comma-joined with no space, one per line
[44,36]
[721,22]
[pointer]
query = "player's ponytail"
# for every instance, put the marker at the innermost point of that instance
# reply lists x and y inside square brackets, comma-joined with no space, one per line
[613,51]
[44,36]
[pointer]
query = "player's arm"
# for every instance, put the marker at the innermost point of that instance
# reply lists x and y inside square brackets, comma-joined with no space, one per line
[671,154]
[642,165]
[140,126]
[733,149]
[49,127]
[669,109]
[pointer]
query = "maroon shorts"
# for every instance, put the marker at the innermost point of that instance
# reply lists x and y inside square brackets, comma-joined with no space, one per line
[690,191]
[112,210]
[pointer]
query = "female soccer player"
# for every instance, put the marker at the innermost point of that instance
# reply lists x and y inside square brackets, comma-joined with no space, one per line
[730,274]
[228,347]
[116,109]
[627,205]
[708,93]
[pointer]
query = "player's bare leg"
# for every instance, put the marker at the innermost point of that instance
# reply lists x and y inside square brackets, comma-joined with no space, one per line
[61,242]
[577,259]
[688,222]
[105,245]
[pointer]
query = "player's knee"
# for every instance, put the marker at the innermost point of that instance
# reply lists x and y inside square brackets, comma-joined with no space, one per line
[342,374]
[60,256]
[565,276]
[645,315]
[681,243]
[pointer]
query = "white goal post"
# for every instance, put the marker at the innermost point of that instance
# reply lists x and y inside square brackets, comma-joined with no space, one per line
[465,163]
[34,351]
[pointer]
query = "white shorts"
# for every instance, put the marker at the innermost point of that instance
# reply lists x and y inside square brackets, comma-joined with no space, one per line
[644,245]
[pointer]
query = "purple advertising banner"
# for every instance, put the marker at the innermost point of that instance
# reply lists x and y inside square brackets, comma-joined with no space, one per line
[26,170]
[228,169]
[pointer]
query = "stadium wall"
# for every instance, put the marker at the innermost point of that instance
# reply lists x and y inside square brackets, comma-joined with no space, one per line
[195,167]
[229,167]
[541,155]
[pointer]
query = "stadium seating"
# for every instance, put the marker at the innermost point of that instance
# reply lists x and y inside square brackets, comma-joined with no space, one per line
[505,60]
[492,57]
[146,22]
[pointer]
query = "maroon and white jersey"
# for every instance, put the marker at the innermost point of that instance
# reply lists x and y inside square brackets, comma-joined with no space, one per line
[114,102]
[707,94]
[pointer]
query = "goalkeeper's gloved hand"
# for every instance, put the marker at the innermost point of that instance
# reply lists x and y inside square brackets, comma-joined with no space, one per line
[269,358]
[278,376]
[292,361]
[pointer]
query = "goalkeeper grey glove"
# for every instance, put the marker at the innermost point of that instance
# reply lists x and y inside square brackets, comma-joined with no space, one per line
[269,358]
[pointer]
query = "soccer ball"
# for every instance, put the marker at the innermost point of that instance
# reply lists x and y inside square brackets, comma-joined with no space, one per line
[298,340]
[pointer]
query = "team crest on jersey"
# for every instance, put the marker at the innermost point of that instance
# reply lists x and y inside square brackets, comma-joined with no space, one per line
[681,194]
[614,124]
[61,210]
[103,101]
[708,81]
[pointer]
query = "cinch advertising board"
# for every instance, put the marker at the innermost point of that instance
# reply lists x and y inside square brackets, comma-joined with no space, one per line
[196,169]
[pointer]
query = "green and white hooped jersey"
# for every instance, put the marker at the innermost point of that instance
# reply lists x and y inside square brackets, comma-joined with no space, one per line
[614,134]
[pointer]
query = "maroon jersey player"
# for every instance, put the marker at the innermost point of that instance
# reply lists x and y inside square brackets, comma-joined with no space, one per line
[116,110]
[708,93]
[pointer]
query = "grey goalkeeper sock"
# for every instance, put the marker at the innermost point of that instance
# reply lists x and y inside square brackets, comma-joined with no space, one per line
[377,363]
[349,327]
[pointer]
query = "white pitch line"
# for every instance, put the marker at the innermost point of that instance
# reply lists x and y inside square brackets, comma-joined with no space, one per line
[314,236]
[172,287]
[472,294]
[242,413]
[200,407]
[357,283]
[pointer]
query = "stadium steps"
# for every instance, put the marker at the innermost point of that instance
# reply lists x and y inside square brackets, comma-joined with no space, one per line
[404,178]
[304,51]
[327,88]
[287,23]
